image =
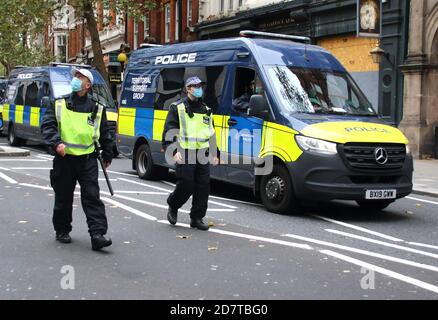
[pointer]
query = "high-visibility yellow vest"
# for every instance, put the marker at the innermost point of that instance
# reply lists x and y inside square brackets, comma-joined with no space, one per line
[77,129]
[194,132]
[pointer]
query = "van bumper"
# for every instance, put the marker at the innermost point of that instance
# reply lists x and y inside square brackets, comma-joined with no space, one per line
[327,177]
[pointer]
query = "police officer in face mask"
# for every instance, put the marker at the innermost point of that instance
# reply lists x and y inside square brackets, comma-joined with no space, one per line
[196,137]
[71,127]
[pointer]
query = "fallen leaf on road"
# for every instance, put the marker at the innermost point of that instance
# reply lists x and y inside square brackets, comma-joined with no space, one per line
[419,205]
[222,224]
[184,237]
[22,221]
[210,224]
[126,242]
[212,248]
[252,240]
[409,212]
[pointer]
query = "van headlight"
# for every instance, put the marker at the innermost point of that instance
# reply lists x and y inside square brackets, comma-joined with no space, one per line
[316,145]
[408,149]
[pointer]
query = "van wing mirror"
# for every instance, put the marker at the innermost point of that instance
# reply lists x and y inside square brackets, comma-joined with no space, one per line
[45,102]
[258,106]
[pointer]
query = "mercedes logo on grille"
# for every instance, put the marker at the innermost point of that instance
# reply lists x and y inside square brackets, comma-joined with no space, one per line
[381,156]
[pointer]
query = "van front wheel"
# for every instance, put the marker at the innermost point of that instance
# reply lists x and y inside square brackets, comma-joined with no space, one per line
[145,167]
[276,191]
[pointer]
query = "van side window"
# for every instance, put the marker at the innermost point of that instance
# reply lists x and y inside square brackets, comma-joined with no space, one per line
[12,88]
[19,94]
[214,84]
[45,90]
[169,88]
[31,98]
[139,88]
[172,81]
[246,83]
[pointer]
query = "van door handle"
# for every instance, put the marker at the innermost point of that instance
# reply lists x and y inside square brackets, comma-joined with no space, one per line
[232,122]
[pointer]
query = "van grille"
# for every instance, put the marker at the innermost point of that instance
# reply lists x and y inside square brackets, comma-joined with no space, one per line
[363,156]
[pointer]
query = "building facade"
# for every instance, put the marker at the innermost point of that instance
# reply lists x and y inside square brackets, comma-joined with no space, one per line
[420,118]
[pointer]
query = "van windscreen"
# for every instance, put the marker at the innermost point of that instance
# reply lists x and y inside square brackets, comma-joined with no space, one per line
[301,90]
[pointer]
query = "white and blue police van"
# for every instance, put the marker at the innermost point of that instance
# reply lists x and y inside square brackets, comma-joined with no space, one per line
[305,116]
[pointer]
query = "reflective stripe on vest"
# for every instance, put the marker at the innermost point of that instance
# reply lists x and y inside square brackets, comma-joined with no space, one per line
[77,131]
[195,132]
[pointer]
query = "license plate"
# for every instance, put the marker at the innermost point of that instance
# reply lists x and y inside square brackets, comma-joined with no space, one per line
[380,194]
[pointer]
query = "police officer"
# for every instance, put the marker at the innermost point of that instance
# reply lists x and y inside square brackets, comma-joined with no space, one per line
[71,127]
[195,138]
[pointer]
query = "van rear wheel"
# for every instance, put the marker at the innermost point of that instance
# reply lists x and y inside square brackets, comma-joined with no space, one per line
[276,191]
[146,169]
[374,205]
[13,140]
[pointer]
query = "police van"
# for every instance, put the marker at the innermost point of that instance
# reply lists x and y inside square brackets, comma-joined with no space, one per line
[22,109]
[304,115]
[3,87]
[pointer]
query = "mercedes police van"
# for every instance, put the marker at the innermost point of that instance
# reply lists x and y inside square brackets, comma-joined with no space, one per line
[22,108]
[277,99]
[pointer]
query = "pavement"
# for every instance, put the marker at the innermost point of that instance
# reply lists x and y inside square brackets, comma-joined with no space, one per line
[425,171]
[6,151]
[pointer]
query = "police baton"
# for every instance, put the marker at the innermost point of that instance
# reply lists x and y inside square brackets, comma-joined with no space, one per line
[99,157]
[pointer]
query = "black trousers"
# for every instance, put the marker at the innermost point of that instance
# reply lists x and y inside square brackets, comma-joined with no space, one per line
[192,179]
[63,177]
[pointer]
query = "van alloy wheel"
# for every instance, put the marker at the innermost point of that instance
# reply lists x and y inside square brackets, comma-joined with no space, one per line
[275,188]
[276,191]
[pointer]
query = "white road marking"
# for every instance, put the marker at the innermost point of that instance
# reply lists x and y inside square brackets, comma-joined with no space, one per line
[167,190]
[8,179]
[364,252]
[127,208]
[168,183]
[426,201]
[22,160]
[36,186]
[103,179]
[220,210]
[153,204]
[220,198]
[351,226]
[142,192]
[145,185]
[222,204]
[423,245]
[389,273]
[5,169]
[248,236]
[386,244]
[122,173]
[46,157]
[30,168]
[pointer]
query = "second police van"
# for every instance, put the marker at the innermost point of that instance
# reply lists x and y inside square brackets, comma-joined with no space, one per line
[303,114]
[23,110]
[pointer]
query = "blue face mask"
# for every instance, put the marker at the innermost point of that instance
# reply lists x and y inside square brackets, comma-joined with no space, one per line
[197,93]
[76,84]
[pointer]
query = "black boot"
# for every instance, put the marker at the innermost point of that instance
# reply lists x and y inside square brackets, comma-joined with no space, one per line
[98,242]
[172,215]
[198,223]
[63,237]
